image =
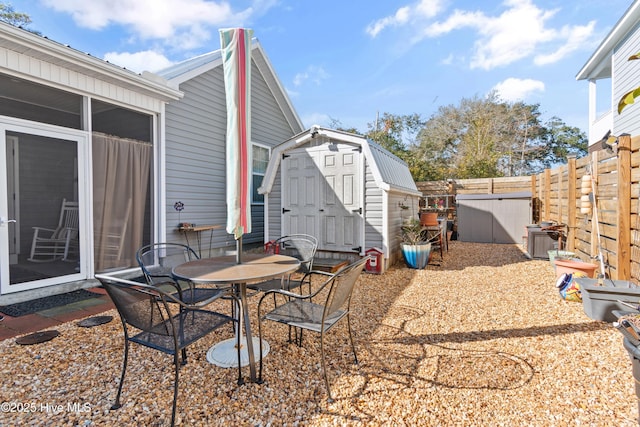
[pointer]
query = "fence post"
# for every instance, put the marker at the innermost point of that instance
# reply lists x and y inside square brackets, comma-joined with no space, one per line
[571,202]
[534,198]
[623,223]
[595,244]
[547,194]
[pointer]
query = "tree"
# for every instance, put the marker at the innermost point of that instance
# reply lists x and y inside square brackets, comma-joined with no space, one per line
[556,143]
[18,19]
[397,134]
[487,137]
[10,16]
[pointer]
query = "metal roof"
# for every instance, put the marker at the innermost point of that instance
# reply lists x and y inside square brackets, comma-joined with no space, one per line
[44,49]
[394,171]
[190,64]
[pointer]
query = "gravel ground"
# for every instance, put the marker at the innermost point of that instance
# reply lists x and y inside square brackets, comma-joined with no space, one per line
[483,339]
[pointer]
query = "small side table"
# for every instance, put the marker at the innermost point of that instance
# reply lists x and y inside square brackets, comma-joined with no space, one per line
[198,229]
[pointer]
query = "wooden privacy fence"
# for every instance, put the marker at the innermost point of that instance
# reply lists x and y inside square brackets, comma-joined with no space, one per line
[611,228]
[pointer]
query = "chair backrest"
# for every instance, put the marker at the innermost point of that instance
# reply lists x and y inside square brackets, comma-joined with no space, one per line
[139,305]
[69,220]
[300,246]
[158,259]
[343,282]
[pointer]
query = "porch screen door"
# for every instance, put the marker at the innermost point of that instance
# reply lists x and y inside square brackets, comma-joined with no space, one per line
[41,244]
[120,186]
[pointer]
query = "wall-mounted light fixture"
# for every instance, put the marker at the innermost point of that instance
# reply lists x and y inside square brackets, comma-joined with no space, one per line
[609,142]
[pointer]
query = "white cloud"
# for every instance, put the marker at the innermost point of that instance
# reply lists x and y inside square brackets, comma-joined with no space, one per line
[520,31]
[172,21]
[313,73]
[139,61]
[514,90]
[419,11]
[577,37]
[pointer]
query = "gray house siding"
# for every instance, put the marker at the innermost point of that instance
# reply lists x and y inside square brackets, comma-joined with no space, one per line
[626,76]
[275,208]
[195,160]
[373,195]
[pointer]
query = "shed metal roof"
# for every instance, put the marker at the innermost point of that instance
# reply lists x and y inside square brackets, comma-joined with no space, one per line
[390,172]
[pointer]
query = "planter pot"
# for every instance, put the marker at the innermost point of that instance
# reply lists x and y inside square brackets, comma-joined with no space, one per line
[556,254]
[416,256]
[571,266]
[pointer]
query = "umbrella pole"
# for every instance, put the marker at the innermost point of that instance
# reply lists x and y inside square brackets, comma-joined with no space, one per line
[239,250]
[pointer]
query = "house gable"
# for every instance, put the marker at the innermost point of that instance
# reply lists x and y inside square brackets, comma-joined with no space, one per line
[195,143]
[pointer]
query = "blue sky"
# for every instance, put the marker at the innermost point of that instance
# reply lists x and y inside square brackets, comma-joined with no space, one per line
[348,60]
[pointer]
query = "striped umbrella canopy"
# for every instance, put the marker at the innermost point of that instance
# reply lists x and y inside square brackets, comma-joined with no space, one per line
[236,59]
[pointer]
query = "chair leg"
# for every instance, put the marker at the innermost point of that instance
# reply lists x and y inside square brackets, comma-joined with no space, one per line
[117,404]
[353,347]
[260,347]
[184,357]
[324,367]
[240,381]
[176,364]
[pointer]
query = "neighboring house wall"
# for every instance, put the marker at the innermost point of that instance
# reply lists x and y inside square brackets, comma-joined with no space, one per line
[195,160]
[626,76]
[609,68]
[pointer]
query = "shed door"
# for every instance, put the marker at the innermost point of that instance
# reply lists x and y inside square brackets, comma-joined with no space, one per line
[300,198]
[322,196]
[493,220]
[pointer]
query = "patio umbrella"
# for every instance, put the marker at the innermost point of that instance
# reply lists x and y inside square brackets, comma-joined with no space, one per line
[236,59]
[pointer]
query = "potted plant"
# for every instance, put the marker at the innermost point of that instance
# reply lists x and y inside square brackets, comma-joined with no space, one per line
[415,249]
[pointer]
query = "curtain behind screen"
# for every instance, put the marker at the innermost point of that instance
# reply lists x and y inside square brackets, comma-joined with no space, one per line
[120,185]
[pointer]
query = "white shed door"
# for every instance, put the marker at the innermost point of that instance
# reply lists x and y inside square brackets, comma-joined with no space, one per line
[300,197]
[322,196]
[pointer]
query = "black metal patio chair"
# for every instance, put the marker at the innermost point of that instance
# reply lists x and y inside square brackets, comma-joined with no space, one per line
[146,308]
[299,311]
[300,246]
[157,261]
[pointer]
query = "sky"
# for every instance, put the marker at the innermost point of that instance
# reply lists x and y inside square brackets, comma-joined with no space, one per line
[347,61]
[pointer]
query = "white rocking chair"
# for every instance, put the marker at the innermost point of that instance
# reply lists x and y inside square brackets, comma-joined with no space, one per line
[51,244]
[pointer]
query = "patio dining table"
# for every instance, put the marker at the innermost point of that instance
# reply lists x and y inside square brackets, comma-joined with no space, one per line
[225,270]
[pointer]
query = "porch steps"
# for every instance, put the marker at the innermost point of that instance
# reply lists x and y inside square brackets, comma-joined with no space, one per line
[330,265]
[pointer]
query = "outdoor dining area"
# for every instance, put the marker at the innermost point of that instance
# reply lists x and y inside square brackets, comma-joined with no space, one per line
[482,339]
[254,338]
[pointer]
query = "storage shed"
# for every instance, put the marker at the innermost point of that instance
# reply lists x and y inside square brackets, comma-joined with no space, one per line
[346,190]
[493,218]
